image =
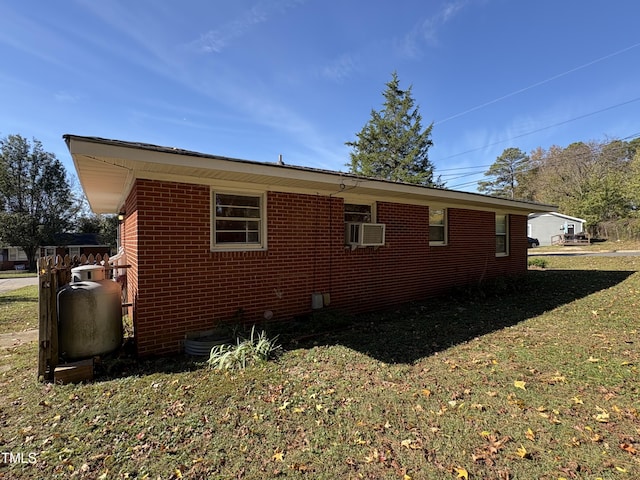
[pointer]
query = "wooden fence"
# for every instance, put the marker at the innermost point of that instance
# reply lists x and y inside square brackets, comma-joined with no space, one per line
[53,273]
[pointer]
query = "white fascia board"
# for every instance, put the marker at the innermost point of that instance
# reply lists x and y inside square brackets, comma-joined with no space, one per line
[147,161]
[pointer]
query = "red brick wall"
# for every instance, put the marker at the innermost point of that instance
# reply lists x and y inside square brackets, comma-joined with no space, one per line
[179,285]
[469,256]
[129,241]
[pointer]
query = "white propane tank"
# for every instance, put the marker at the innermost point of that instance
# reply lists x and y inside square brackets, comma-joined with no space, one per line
[89,314]
[92,273]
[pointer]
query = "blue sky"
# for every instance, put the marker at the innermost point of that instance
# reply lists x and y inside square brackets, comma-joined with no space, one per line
[258,78]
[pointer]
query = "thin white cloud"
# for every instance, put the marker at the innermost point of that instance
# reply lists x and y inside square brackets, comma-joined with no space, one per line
[216,40]
[451,10]
[43,42]
[248,98]
[148,48]
[430,27]
[481,145]
[66,97]
[340,68]
[427,31]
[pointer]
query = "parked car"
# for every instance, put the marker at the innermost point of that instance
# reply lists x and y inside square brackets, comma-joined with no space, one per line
[533,242]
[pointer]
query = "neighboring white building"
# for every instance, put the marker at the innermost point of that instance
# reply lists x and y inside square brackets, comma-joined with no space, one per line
[543,226]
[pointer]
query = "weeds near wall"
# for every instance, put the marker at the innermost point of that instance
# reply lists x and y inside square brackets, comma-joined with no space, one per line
[258,348]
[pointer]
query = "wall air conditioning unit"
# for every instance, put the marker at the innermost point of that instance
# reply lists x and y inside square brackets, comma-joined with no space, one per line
[363,234]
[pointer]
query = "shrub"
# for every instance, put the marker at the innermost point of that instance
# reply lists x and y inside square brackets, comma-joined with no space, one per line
[257,348]
[537,262]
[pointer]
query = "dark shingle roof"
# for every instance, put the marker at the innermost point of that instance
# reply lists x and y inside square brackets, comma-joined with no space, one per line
[77,239]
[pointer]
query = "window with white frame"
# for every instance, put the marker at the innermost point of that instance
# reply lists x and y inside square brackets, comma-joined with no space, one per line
[74,252]
[502,234]
[437,226]
[238,221]
[16,254]
[358,213]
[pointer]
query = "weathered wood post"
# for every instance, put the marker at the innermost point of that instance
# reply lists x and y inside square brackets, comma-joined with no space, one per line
[48,321]
[43,288]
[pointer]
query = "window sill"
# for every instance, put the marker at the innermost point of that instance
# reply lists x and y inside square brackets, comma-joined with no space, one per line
[239,248]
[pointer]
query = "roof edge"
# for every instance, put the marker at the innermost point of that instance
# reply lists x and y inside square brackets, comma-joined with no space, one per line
[383,184]
[558,214]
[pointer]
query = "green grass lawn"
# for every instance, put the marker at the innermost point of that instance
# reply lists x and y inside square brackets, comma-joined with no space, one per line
[15,274]
[19,310]
[530,380]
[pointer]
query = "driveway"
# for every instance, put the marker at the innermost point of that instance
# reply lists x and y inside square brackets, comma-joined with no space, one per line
[8,284]
[576,253]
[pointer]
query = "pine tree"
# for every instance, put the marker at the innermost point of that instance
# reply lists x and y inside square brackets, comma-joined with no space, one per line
[393,145]
[505,173]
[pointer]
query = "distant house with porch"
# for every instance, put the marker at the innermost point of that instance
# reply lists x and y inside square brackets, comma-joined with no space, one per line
[544,226]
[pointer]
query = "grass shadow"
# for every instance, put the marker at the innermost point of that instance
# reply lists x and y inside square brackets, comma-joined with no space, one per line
[412,331]
[9,299]
[113,367]
[409,332]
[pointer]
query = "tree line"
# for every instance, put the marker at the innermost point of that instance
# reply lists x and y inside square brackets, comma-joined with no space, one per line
[598,181]
[38,203]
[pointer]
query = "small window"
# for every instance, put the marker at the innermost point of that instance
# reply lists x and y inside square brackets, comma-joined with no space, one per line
[502,237]
[437,226]
[358,213]
[238,221]
[49,251]
[74,252]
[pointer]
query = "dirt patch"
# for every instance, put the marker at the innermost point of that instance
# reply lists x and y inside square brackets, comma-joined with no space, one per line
[8,340]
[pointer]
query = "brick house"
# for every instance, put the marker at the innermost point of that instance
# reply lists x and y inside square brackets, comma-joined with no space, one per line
[13,258]
[75,244]
[208,237]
